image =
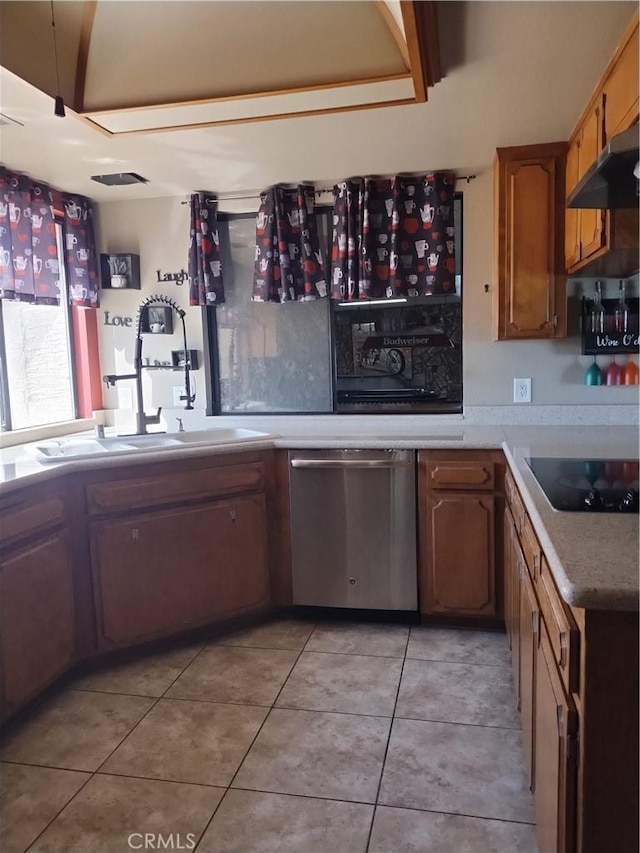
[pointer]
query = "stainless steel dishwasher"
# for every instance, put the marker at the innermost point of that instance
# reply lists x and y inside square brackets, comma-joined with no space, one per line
[353,528]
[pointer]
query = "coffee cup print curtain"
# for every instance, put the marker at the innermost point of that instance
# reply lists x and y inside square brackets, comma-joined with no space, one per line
[80,251]
[206,286]
[288,264]
[29,262]
[29,265]
[393,237]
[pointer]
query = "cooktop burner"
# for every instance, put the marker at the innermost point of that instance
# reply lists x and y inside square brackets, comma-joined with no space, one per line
[589,485]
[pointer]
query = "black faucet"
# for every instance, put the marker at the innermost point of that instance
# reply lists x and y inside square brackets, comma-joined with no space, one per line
[142,420]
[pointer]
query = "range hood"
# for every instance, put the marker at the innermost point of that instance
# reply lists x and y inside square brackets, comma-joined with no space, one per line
[612,181]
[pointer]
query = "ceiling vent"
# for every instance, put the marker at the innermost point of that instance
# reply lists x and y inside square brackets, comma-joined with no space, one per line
[121,179]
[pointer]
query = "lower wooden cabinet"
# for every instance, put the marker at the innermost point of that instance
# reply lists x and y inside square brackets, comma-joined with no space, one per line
[37,626]
[460,560]
[512,598]
[460,546]
[529,629]
[555,725]
[577,675]
[163,572]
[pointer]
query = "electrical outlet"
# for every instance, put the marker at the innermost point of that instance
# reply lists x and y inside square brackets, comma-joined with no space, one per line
[522,390]
[178,391]
[125,398]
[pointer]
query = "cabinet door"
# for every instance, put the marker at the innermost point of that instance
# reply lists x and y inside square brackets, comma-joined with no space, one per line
[572,216]
[529,627]
[460,559]
[529,296]
[555,745]
[37,633]
[159,573]
[512,559]
[592,233]
[621,89]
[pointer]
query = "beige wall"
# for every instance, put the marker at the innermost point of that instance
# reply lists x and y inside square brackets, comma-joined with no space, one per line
[157,230]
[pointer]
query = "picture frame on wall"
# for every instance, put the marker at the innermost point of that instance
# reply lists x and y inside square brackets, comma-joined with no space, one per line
[120,271]
[158,320]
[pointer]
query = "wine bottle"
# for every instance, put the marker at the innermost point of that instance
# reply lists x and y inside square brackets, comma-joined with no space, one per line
[597,312]
[621,312]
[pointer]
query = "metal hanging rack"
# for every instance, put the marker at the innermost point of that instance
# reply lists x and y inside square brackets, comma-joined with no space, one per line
[317,193]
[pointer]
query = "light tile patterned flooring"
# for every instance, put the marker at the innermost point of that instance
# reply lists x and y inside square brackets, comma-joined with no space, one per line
[291,736]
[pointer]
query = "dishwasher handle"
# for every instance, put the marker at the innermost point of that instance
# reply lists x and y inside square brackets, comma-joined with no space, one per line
[349,463]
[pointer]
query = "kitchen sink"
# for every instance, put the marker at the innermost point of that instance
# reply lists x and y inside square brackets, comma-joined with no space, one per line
[67,449]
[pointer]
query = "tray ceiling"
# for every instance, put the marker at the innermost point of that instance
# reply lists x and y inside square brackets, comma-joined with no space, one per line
[144,66]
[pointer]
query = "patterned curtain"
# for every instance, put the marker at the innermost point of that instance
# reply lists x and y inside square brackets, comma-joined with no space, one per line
[205,269]
[288,262]
[80,251]
[393,237]
[29,262]
[29,269]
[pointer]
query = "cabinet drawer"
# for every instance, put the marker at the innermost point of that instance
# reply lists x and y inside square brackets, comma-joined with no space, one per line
[173,488]
[530,547]
[461,475]
[562,630]
[24,519]
[513,499]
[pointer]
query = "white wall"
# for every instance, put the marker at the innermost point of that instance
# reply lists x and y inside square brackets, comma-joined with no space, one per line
[158,230]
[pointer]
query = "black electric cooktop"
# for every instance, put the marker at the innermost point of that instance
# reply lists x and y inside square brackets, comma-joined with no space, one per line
[589,485]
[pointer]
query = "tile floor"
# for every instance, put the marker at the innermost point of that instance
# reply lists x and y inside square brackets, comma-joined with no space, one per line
[292,736]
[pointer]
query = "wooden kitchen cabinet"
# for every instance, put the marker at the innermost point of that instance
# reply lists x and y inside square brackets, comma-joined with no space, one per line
[159,573]
[555,726]
[512,597]
[585,228]
[458,499]
[37,626]
[604,242]
[529,291]
[620,86]
[529,629]
[577,673]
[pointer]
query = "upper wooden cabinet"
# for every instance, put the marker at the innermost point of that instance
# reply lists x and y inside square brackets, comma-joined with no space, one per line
[604,242]
[529,286]
[620,87]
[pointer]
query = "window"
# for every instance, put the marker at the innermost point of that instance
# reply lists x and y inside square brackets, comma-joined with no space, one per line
[269,357]
[317,357]
[36,375]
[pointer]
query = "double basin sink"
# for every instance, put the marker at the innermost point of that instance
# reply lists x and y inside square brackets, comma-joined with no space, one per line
[68,449]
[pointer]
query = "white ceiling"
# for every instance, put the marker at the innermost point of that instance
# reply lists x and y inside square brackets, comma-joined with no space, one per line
[514,73]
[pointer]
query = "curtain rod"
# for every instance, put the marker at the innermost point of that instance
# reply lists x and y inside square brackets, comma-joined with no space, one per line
[321,191]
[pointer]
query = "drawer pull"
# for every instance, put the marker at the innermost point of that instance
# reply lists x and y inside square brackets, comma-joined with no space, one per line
[563,649]
[535,622]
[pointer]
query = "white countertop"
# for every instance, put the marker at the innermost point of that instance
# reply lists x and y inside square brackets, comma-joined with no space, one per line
[593,557]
